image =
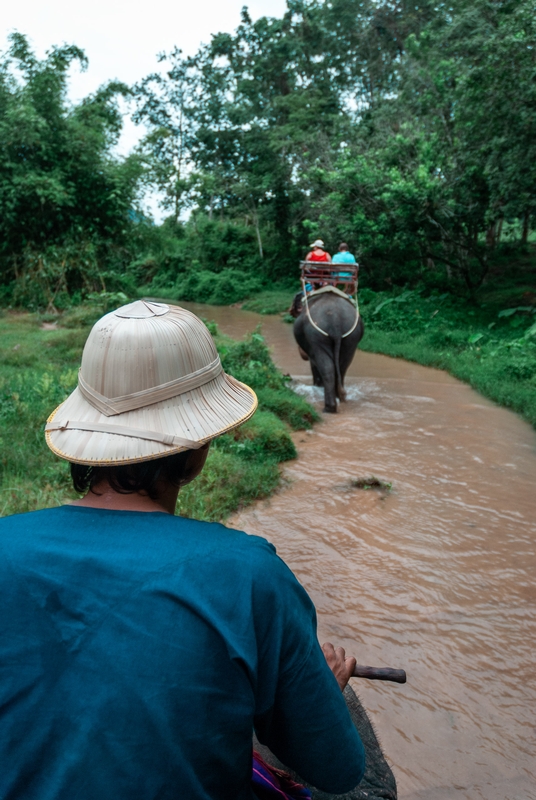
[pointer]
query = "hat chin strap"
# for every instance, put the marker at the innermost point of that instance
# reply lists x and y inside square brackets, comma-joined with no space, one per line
[122,430]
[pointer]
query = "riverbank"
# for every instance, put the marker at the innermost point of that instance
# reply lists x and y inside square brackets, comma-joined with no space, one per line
[489,343]
[491,346]
[39,359]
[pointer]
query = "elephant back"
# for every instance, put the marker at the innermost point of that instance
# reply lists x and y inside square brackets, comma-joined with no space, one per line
[378,782]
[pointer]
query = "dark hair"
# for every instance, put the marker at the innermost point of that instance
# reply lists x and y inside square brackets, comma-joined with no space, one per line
[343,246]
[131,478]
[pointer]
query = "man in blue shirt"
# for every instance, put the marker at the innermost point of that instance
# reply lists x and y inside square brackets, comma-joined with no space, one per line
[139,650]
[343,256]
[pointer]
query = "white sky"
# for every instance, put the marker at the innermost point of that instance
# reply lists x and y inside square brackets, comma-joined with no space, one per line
[122,39]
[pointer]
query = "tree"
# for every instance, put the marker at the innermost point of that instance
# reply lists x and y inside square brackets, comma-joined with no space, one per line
[59,186]
[165,107]
[390,124]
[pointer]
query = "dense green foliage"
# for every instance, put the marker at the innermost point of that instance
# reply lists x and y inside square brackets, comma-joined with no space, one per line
[39,368]
[406,129]
[64,201]
[487,344]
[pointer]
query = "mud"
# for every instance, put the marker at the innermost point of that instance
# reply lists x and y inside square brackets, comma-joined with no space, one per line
[435,576]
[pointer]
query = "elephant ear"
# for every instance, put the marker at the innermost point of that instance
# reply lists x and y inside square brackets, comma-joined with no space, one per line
[378,782]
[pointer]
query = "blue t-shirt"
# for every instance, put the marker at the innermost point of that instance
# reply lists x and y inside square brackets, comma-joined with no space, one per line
[343,257]
[139,650]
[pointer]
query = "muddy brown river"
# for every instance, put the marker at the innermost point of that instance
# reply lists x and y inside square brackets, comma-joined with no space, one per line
[436,576]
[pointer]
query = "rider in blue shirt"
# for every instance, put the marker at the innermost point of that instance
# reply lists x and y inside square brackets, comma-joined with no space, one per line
[139,650]
[343,256]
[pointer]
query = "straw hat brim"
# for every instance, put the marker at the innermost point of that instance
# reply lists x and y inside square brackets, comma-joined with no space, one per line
[201,415]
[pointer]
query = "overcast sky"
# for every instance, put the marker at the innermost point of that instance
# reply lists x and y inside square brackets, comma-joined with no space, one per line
[122,39]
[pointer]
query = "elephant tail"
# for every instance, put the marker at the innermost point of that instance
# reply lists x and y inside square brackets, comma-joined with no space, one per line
[339,391]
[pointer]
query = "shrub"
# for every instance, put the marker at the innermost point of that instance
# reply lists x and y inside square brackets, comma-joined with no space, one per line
[223,288]
[264,436]
[288,406]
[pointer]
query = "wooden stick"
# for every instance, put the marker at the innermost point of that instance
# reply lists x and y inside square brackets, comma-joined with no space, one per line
[379,674]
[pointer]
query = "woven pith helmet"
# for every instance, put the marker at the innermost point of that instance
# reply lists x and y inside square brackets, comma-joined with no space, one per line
[151,384]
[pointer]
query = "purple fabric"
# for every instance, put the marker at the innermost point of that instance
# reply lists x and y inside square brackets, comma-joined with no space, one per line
[269,782]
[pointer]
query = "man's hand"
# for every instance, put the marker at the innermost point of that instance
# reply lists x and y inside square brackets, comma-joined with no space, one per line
[341,665]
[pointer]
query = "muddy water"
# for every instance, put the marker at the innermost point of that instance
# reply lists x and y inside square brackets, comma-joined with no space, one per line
[436,576]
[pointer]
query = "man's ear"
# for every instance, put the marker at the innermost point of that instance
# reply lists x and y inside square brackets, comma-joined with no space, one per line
[194,464]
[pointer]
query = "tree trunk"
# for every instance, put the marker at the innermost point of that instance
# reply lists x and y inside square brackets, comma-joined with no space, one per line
[525,232]
[499,230]
[259,240]
[252,206]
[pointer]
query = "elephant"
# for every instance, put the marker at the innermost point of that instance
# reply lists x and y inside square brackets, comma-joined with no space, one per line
[378,782]
[328,349]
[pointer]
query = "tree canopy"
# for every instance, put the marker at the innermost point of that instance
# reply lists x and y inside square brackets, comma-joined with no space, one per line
[407,129]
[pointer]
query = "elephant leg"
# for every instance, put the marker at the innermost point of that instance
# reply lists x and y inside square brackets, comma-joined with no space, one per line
[378,782]
[347,353]
[324,360]
[345,359]
[326,368]
[317,377]
[303,354]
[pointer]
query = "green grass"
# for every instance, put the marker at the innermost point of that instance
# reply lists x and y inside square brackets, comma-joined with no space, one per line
[226,484]
[38,369]
[490,344]
[276,301]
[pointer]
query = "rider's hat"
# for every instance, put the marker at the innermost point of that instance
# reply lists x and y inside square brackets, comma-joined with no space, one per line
[151,384]
[318,243]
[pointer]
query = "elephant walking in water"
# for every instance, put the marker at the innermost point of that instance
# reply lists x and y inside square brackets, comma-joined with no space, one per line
[320,335]
[378,782]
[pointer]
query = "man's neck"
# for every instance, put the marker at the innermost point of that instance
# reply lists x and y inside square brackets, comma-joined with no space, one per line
[103,496]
